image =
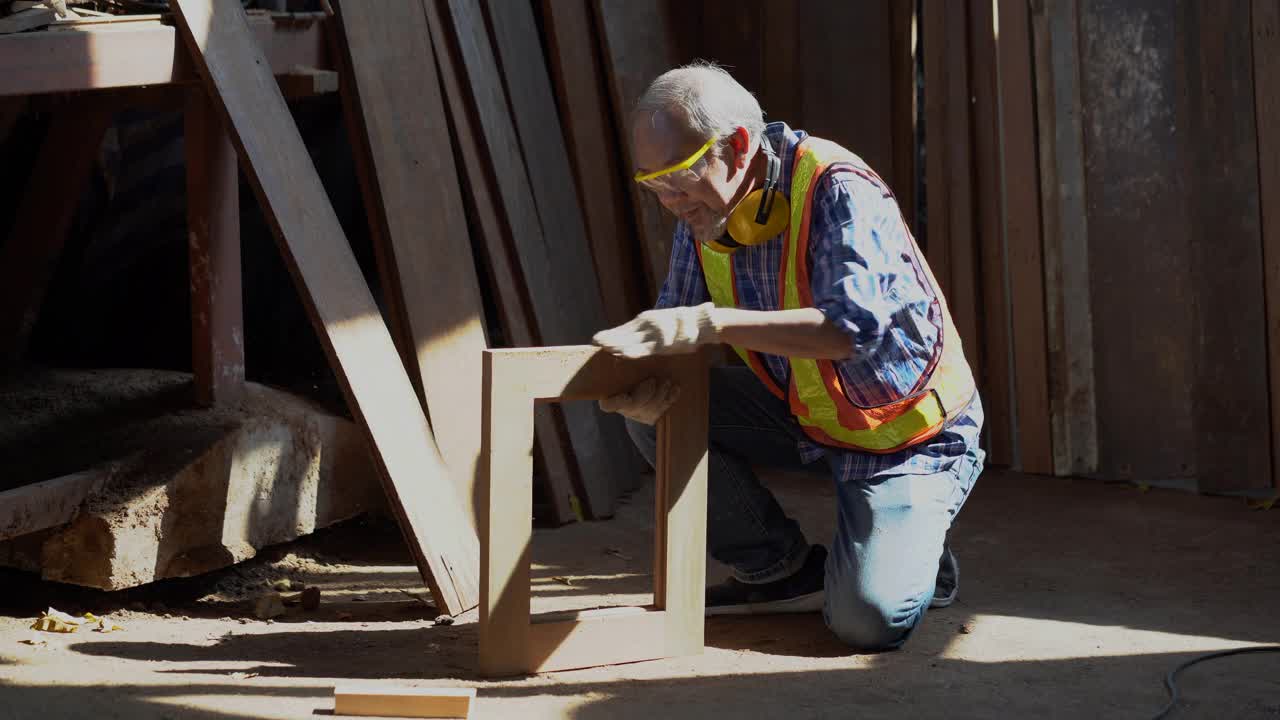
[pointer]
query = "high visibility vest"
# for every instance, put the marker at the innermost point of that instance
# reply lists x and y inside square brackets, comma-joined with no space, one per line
[816,394]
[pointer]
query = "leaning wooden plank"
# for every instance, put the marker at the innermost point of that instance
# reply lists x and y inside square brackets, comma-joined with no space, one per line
[347,320]
[213,236]
[493,238]
[1266,79]
[593,148]
[937,240]
[966,306]
[30,19]
[638,43]
[902,91]
[401,135]
[47,504]
[1065,235]
[427,702]
[565,308]
[1021,186]
[997,386]
[29,257]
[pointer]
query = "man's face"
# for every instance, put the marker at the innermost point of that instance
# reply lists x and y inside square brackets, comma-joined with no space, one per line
[703,201]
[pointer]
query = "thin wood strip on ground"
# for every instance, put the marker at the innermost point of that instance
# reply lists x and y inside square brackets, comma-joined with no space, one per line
[379,395]
[404,155]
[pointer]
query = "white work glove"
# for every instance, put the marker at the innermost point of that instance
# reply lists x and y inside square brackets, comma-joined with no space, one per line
[645,403]
[661,332]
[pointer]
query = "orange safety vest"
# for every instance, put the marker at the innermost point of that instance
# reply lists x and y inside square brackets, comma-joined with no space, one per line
[816,394]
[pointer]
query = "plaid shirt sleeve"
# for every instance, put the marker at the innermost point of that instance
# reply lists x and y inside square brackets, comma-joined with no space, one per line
[864,278]
[685,286]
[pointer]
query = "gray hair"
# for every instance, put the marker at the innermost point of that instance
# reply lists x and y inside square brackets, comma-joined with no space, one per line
[706,98]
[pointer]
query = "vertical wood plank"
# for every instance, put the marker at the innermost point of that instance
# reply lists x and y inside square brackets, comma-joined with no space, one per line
[213,236]
[1266,79]
[937,240]
[1221,171]
[995,370]
[506,529]
[493,233]
[902,74]
[401,138]
[237,77]
[1021,193]
[966,306]
[593,148]
[1065,237]
[30,255]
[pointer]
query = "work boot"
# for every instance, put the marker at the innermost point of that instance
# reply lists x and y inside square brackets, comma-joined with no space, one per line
[797,593]
[948,583]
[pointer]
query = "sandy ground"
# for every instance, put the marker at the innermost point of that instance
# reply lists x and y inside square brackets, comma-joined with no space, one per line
[1076,597]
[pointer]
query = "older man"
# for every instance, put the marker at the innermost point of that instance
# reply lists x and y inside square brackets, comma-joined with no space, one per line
[793,251]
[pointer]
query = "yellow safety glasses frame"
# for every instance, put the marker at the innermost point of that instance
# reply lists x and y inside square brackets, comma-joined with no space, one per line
[682,174]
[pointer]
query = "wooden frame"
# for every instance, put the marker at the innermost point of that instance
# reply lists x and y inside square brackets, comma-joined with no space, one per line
[512,642]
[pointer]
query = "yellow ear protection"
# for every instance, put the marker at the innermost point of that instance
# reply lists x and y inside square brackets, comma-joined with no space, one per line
[761,215]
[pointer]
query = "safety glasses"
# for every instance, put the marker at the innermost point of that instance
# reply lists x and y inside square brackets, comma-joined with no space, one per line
[678,177]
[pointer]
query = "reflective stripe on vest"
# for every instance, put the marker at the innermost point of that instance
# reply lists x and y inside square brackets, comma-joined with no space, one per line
[816,393]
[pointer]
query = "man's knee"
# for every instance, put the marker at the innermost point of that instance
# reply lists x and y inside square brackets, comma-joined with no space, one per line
[868,623]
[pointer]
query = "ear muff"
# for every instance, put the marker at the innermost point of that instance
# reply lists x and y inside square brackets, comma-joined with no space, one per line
[761,215]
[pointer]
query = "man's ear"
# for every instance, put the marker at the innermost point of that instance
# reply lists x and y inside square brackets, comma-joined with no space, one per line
[740,141]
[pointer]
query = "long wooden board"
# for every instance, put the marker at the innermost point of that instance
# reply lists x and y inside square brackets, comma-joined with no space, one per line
[1065,234]
[997,399]
[235,72]
[593,147]
[404,155]
[1021,217]
[1266,78]
[493,239]
[565,307]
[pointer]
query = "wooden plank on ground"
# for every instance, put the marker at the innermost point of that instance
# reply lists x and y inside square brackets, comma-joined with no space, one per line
[30,255]
[1068,265]
[213,236]
[379,395]
[494,239]
[565,307]
[405,158]
[1266,79]
[1229,339]
[1033,451]
[997,385]
[382,701]
[638,41]
[594,150]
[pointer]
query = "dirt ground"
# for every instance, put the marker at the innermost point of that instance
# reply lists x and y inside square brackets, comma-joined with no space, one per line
[1076,597]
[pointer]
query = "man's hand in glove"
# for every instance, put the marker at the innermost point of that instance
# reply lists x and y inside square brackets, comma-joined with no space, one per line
[645,403]
[662,332]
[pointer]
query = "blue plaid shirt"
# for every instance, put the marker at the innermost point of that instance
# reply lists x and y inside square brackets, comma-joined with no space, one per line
[864,279]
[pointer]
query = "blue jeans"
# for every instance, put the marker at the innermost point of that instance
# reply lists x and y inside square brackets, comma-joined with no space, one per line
[890,530]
